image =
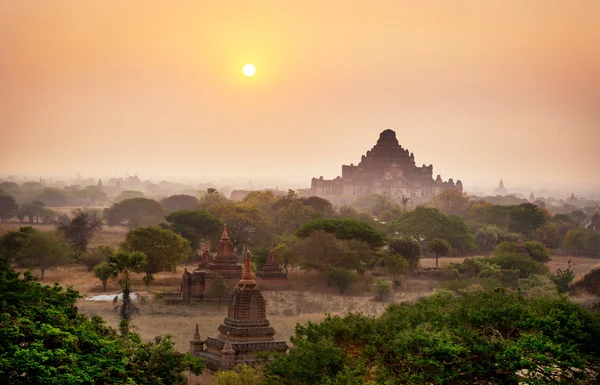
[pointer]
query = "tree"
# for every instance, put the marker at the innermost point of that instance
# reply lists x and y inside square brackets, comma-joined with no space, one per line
[125,265]
[537,251]
[578,217]
[218,289]
[562,278]
[475,337]
[322,206]
[395,264]
[322,251]
[128,194]
[246,224]
[96,255]
[345,229]
[179,202]
[13,241]
[133,213]
[43,250]
[54,197]
[439,248]
[80,229]
[293,215]
[407,248]
[31,210]
[487,237]
[163,248]
[45,340]
[104,271]
[285,252]
[340,277]
[452,202]
[526,218]
[8,207]
[574,240]
[194,225]
[383,289]
[383,203]
[426,223]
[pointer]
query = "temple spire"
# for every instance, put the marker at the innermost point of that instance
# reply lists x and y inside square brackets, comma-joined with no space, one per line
[225,235]
[247,274]
[228,349]
[196,334]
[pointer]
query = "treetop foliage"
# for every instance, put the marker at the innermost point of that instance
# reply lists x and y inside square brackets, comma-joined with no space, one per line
[344,229]
[476,337]
[46,341]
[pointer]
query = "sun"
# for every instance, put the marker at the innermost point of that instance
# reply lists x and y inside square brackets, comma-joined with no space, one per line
[249,70]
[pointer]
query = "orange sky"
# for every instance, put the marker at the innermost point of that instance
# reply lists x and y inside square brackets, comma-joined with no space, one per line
[481,89]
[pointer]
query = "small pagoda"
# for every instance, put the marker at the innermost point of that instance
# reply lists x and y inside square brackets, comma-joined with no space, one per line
[244,333]
[225,262]
[205,258]
[270,275]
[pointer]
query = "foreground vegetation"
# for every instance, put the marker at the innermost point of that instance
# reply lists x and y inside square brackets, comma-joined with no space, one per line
[45,340]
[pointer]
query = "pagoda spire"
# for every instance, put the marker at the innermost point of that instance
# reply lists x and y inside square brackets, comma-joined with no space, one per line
[247,275]
[228,349]
[225,235]
[196,334]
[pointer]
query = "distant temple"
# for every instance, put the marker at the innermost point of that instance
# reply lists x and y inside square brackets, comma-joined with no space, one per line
[270,275]
[244,333]
[501,190]
[386,169]
[531,198]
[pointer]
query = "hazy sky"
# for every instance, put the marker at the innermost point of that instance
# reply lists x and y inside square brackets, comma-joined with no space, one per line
[481,89]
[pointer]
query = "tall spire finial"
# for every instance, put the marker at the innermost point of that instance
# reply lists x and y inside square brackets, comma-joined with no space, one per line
[247,274]
[228,348]
[225,235]
[196,334]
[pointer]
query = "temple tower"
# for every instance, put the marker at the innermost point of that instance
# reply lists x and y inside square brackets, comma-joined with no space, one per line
[270,275]
[225,262]
[245,330]
[205,258]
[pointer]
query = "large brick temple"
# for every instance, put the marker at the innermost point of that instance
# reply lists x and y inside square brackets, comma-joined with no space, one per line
[385,169]
[244,333]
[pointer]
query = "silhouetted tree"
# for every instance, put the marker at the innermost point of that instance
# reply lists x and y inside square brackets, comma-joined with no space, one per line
[8,207]
[80,229]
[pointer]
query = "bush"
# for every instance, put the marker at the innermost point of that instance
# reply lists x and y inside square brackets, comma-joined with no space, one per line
[96,255]
[409,249]
[383,289]
[538,251]
[562,278]
[340,277]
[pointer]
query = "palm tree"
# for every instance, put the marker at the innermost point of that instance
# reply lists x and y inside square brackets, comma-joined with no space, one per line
[125,265]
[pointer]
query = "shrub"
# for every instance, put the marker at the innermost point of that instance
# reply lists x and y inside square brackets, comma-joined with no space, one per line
[383,289]
[409,249]
[340,277]
[538,251]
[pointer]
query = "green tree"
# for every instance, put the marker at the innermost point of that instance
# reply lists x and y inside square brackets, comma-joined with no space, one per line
[43,250]
[293,215]
[439,248]
[241,375]
[476,337]
[562,278]
[194,225]
[537,251]
[31,210]
[96,255]
[133,213]
[487,237]
[322,206]
[574,240]
[526,218]
[218,289]
[104,271]
[345,229]
[125,265]
[80,229]
[408,248]
[340,277]
[383,289]
[179,202]
[163,248]
[322,251]
[395,264]
[8,207]
[426,223]
[45,340]
[13,241]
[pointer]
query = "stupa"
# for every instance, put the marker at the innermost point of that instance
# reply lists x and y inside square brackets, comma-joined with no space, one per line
[244,333]
[225,262]
[270,274]
[205,258]
[595,224]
